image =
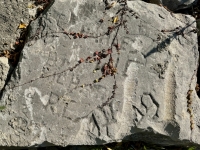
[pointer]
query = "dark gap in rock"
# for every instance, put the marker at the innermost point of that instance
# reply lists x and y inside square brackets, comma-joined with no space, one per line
[14,55]
[197,15]
[45,5]
[124,145]
[194,10]
[147,1]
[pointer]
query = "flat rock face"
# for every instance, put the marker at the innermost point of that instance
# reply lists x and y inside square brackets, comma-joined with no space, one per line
[46,102]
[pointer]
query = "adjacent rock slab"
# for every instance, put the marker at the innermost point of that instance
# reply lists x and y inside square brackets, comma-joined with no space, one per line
[4,71]
[12,13]
[155,72]
[175,4]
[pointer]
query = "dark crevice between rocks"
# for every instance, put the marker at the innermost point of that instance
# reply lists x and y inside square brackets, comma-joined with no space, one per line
[197,15]
[14,55]
[124,145]
[147,1]
[198,71]
[46,5]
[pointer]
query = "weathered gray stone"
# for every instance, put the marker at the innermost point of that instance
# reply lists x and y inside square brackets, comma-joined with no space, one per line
[155,72]
[12,13]
[175,4]
[4,67]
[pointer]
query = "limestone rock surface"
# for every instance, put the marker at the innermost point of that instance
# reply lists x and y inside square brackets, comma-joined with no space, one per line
[4,71]
[155,71]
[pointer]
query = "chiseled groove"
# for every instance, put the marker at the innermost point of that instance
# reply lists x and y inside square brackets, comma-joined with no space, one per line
[155,103]
[169,90]
[95,122]
[138,110]
[129,86]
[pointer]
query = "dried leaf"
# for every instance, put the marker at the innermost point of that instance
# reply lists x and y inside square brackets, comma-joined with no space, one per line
[31,6]
[7,54]
[81,60]
[22,26]
[115,19]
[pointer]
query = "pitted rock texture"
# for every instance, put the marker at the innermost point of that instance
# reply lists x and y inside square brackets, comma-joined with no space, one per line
[4,71]
[13,12]
[155,71]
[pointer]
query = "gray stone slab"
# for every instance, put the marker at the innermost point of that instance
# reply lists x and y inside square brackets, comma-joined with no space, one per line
[175,5]
[4,71]
[155,71]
